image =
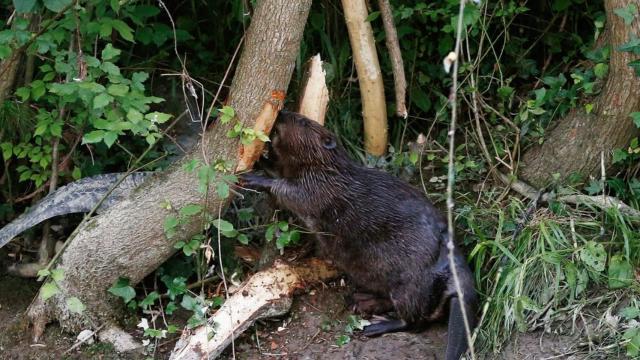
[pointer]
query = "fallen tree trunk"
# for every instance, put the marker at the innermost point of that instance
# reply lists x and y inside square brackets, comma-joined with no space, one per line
[267,293]
[576,143]
[128,240]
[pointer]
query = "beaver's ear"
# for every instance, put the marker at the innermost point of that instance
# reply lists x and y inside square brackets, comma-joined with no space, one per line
[328,142]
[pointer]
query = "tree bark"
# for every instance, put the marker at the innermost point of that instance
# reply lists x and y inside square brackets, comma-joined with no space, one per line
[363,45]
[9,67]
[576,143]
[128,240]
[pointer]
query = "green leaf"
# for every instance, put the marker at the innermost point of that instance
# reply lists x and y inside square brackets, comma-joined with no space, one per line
[588,108]
[505,92]
[110,68]
[76,174]
[283,240]
[228,113]
[343,340]
[271,230]
[620,272]
[110,138]
[633,46]
[150,139]
[158,117]
[48,290]
[122,289]
[243,239]
[372,16]
[134,116]
[630,312]
[601,70]
[56,5]
[190,303]
[170,222]
[93,137]
[619,155]
[636,118]
[43,273]
[24,6]
[635,64]
[109,52]
[149,300]
[123,29]
[594,187]
[37,89]
[190,210]
[5,51]
[222,189]
[102,100]
[23,92]
[594,255]
[223,225]
[74,305]
[170,308]
[633,347]
[627,14]
[7,150]
[118,90]
[57,275]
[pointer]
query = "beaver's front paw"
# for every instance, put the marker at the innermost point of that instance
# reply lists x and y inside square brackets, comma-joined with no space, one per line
[254,181]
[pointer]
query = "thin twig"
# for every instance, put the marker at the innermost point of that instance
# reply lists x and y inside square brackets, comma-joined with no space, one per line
[451,179]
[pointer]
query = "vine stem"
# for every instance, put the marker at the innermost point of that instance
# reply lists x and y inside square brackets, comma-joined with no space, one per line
[451,178]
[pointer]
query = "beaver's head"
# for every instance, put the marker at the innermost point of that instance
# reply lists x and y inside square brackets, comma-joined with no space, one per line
[300,142]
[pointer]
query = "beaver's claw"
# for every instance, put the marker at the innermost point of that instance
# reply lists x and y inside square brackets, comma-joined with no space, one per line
[254,181]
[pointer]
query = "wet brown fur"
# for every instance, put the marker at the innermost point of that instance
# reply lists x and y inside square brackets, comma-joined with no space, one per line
[382,232]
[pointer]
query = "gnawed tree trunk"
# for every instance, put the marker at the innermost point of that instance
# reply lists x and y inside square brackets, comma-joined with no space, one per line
[314,98]
[576,143]
[365,56]
[128,240]
[267,293]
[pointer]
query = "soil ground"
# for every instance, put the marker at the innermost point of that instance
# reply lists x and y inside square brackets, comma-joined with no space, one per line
[310,331]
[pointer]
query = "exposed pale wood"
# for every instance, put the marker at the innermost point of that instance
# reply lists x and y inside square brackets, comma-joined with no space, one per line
[374,108]
[267,293]
[314,97]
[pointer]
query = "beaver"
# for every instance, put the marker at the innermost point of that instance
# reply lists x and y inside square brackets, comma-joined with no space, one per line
[382,232]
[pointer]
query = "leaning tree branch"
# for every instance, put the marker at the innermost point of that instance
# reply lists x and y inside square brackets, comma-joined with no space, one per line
[374,109]
[128,240]
[397,65]
[599,201]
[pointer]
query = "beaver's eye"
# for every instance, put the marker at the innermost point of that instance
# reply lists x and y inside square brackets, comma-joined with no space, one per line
[328,142]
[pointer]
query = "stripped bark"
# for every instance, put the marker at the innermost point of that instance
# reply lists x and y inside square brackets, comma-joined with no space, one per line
[397,65]
[128,240]
[267,293]
[314,97]
[374,109]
